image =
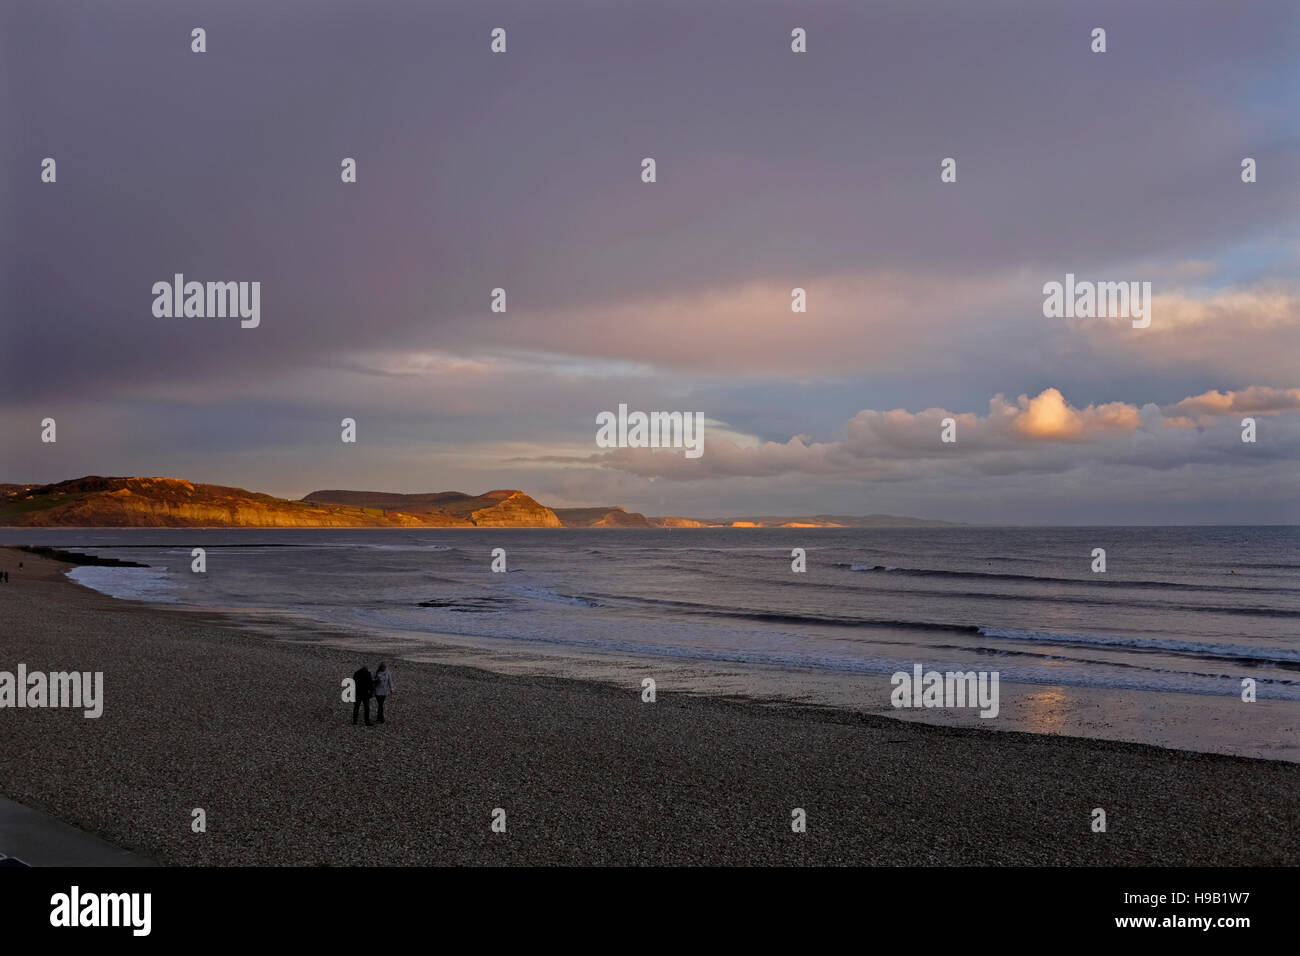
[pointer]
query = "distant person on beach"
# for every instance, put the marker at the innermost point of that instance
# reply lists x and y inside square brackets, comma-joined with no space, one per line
[383,686]
[365,689]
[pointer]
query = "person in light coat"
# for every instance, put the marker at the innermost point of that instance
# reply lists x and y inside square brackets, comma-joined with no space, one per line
[383,686]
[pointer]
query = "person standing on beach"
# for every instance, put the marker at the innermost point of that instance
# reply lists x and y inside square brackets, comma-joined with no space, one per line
[383,686]
[365,689]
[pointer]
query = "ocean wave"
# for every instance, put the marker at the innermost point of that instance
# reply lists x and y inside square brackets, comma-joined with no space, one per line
[1238,652]
[406,547]
[1091,674]
[782,617]
[550,595]
[472,605]
[1051,579]
[128,584]
[1235,652]
[1053,598]
[1045,655]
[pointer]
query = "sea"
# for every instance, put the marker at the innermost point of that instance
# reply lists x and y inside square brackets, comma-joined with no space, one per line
[1157,648]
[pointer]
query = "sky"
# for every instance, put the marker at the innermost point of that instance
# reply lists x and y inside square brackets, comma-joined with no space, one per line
[774,170]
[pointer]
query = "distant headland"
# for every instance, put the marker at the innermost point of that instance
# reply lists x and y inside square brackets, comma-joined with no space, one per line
[96,502]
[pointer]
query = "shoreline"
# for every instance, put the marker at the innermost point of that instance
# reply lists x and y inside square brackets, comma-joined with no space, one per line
[203,712]
[1202,723]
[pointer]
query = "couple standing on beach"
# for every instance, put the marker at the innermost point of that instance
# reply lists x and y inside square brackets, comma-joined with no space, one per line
[379,685]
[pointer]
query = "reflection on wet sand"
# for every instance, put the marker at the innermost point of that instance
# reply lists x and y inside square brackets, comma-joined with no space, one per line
[1045,710]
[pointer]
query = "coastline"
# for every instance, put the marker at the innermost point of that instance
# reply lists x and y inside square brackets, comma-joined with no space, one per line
[1267,728]
[202,712]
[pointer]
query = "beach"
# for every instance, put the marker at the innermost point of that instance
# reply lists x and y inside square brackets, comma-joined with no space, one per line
[200,713]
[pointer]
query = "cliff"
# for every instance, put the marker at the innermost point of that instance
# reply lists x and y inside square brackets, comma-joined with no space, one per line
[834,521]
[671,521]
[514,509]
[613,517]
[95,502]
[502,508]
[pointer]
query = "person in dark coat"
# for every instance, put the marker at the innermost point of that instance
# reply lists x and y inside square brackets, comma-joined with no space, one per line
[365,690]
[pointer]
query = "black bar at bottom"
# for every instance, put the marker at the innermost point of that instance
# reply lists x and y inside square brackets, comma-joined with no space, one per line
[349,906]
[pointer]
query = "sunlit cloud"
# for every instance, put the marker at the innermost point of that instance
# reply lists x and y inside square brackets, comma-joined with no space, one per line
[1043,433]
